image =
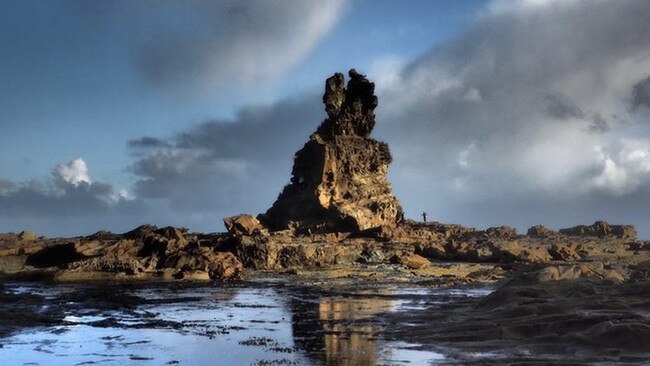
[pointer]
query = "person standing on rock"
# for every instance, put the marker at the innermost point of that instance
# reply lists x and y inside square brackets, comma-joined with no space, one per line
[424,216]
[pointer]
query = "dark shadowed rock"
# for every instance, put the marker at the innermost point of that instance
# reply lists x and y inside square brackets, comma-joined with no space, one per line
[140,232]
[102,235]
[55,255]
[339,178]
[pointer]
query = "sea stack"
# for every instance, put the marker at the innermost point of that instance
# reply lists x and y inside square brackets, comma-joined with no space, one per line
[338,181]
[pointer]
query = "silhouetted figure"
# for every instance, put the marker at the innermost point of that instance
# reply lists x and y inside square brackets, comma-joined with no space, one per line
[424,216]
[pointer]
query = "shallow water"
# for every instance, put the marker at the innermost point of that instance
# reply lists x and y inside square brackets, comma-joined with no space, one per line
[255,323]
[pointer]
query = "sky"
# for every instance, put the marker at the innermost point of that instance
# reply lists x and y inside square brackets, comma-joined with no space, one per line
[497,112]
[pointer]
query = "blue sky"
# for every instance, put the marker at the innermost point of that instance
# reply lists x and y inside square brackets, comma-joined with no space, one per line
[498,112]
[74,89]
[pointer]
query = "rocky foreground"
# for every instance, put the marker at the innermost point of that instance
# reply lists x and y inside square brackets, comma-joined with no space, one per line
[578,296]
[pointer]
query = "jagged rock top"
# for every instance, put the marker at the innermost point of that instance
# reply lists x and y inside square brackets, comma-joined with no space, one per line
[350,111]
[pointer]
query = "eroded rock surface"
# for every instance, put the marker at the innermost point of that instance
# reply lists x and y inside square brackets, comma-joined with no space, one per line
[559,315]
[339,178]
[146,252]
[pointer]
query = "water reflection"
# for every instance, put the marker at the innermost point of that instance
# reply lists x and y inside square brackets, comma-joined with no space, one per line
[339,330]
[259,324]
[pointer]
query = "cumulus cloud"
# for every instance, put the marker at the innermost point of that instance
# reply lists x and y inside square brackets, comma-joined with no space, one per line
[68,202]
[230,42]
[74,172]
[625,168]
[535,101]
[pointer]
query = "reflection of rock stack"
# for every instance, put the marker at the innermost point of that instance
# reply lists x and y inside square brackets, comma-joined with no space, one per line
[339,178]
[346,341]
[339,331]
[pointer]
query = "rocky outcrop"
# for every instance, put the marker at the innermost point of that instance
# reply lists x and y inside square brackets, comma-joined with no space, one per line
[27,236]
[505,232]
[339,178]
[564,252]
[142,253]
[539,231]
[602,229]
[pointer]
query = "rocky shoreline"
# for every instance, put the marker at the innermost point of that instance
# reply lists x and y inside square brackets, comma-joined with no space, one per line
[432,251]
[576,297]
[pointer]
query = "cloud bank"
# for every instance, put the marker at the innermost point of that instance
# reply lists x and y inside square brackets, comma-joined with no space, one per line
[225,167]
[230,42]
[535,109]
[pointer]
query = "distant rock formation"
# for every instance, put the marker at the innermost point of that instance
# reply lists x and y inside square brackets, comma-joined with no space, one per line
[602,229]
[338,181]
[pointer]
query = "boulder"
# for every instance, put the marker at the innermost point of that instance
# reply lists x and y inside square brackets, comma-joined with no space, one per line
[533,255]
[504,232]
[410,260]
[434,250]
[564,252]
[539,231]
[242,224]
[224,266]
[27,236]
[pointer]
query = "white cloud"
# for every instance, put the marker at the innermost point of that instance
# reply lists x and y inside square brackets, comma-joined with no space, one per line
[538,85]
[231,43]
[67,203]
[74,172]
[121,195]
[624,169]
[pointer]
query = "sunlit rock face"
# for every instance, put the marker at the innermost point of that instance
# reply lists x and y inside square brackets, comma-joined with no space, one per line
[339,178]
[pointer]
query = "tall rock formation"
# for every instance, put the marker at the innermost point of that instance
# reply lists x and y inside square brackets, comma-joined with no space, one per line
[339,179]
